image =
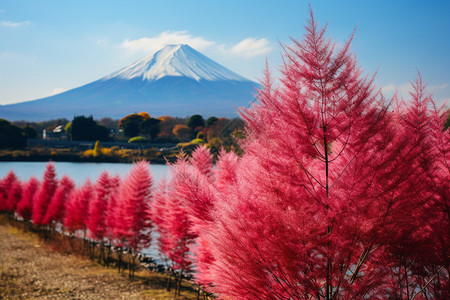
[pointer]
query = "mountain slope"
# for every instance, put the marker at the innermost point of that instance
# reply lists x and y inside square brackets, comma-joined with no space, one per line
[177,80]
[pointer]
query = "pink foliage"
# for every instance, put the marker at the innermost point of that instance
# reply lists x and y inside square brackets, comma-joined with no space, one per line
[157,213]
[77,207]
[111,209]
[133,226]
[25,205]
[202,160]
[105,187]
[336,197]
[14,196]
[56,208]
[170,214]
[44,195]
[6,185]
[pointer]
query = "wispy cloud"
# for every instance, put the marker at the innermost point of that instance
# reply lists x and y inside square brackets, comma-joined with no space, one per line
[2,11]
[251,47]
[14,24]
[153,44]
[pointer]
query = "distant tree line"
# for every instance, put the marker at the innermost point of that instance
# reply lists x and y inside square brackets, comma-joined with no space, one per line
[137,127]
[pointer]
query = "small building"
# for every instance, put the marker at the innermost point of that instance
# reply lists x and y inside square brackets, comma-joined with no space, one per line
[56,133]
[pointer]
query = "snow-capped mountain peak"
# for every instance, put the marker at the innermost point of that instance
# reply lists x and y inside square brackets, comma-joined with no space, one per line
[176,60]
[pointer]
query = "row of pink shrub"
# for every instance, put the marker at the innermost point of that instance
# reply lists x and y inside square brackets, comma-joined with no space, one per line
[339,194]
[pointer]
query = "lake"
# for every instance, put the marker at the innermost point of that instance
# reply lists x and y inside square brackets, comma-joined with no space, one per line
[79,172]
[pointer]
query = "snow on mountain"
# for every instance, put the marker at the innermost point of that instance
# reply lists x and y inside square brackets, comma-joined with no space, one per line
[177,80]
[176,60]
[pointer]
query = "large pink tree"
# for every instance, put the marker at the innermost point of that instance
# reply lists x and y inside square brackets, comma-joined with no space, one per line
[328,193]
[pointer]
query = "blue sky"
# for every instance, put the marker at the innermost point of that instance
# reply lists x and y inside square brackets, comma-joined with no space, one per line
[50,46]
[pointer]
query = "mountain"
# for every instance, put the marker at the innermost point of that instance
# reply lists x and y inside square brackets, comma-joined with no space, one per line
[176,80]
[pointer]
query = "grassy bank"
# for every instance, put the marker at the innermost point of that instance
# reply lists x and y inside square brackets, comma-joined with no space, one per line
[31,267]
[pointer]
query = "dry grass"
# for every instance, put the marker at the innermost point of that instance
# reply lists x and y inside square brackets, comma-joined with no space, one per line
[32,268]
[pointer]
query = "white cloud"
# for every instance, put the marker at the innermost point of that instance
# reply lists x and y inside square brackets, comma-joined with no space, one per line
[58,91]
[14,24]
[251,47]
[248,47]
[2,11]
[153,44]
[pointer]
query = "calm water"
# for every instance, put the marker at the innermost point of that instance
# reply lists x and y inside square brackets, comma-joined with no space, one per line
[79,172]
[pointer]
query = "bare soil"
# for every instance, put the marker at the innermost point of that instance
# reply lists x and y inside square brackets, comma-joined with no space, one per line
[30,269]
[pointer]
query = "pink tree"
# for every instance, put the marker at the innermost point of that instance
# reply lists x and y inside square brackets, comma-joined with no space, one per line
[111,209]
[171,215]
[328,189]
[56,207]
[77,207]
[5,187]
[44,195]
[157,213]
[132,224]
[104,189]
[14,196]
[25,205]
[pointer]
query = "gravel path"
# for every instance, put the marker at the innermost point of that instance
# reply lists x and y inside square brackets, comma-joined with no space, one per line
[30,270]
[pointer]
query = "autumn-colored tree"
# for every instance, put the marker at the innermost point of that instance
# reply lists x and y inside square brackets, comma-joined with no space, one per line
[25,205]
[166,127]
[56,208]
[183,132]
[44,194]
[328,193]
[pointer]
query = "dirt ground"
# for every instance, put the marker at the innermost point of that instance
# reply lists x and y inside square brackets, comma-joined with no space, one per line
[29,269]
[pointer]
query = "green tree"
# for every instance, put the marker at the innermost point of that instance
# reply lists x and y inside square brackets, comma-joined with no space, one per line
[150,128]
[11,135]
[211,121]
[196,121]
[86,129]
[29,132]
[130,124]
